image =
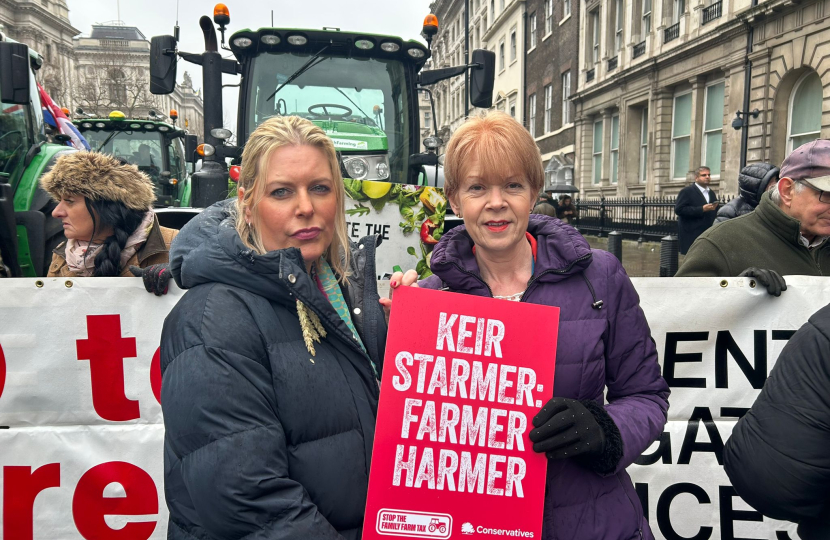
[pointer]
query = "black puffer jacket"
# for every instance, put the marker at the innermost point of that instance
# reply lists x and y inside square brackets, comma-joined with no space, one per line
[262,439]
[777,456]
[752,183]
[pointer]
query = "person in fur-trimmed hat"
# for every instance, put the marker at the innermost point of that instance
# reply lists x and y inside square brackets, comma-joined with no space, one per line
[107,212]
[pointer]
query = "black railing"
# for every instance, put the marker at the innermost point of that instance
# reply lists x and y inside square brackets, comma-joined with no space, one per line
[671,33]
[637,218]
[612,63]
[639,49]
[589,75]
[712,12]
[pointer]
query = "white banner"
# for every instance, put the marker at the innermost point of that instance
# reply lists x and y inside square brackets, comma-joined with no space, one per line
[82,431]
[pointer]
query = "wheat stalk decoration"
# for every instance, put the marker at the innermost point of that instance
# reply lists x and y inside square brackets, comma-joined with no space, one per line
[311,326]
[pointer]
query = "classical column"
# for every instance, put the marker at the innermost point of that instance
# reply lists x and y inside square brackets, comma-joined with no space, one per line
[698,117]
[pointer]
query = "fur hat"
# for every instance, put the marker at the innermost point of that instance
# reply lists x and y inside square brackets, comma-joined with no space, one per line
[99,177]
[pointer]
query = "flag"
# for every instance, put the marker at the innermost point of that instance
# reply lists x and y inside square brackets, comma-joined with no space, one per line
[55,117]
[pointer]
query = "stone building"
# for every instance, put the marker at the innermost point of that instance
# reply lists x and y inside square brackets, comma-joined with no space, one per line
[44,26]
[660,83]
[552,67]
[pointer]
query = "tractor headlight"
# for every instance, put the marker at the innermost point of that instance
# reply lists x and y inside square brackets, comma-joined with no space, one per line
[357,167]
[383,170]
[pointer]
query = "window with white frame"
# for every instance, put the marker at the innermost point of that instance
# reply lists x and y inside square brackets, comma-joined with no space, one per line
[618,25]
[427,120]
[596,166]
[646,25]
[615,147]
[512,107]
[566,98]
[681,134]
[713,127]
[548,16]
[548,107]
[566,8]
[532,28]
[501,55]
[501,6]
[531,122]
[512,44]
[492,10]
[804,123]
[594,17]
[644,145]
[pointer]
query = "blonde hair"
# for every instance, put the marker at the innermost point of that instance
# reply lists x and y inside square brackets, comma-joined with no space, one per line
[502,147]
[274,133]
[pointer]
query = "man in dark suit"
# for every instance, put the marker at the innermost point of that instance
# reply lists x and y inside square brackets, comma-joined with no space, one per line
[696,208]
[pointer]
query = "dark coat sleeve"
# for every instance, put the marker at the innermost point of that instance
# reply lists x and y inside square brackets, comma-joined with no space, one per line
[728,211]
[638,396]
[687,205]
[222,431]
[777,456]
[705,259]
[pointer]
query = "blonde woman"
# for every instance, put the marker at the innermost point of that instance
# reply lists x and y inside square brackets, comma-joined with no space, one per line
[270,361]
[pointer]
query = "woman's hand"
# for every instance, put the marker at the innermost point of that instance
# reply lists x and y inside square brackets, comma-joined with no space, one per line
[399,279]
[565,428]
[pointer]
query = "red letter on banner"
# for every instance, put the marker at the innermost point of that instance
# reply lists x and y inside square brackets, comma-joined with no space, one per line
[20,487]
[106,349]
[89,506]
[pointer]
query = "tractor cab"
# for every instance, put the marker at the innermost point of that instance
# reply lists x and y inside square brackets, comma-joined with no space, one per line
[156,147]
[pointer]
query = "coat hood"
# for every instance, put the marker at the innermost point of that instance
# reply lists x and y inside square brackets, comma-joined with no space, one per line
[208,250]
[99,177]
[753,180]
[561,253]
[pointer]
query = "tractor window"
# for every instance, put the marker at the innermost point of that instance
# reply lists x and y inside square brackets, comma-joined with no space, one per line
[359,102]
[14,139]
[175,151]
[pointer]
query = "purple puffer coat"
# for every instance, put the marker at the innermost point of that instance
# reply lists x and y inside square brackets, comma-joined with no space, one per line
[597,349]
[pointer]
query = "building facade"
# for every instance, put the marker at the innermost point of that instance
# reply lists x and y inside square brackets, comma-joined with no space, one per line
[44,26]
[660,83]
[552,68]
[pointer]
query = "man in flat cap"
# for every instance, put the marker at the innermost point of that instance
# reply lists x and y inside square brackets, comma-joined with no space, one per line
[785,235]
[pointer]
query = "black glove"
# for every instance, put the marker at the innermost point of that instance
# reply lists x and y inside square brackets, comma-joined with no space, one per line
[156,277]
[567,428]
[768,278]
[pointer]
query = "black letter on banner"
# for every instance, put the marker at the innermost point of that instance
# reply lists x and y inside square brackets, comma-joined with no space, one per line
[782,335]
[642,493]
[664,505]
[726,344]
[782,535]
[733,412]
[728,516]
[672,357]
[690,443]
[663,452]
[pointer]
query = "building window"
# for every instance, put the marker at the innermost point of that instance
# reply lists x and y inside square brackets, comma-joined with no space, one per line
[492,10]
[679,6]
[713,127]
[615,147]
[548,16]
[646,28]
[596,168]
[644,145]
[681,133]
[566,8]
[512,44]
[618,25]
[566,95]
[427,120]
[501,55]
[118,90]
[501,6]
[512,108]
[531,123]
[594,36]
[533,30]
[805,112]
[548,107]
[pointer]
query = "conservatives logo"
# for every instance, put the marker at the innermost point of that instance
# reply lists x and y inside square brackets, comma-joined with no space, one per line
[467,528]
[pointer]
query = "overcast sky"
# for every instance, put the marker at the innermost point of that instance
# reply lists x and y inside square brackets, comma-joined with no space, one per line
[402,18]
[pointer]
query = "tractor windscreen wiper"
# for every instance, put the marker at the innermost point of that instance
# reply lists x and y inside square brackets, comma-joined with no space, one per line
[305,67]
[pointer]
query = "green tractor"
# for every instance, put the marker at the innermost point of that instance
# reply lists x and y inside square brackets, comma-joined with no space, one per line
[361,88]
[156,147]
[28,232]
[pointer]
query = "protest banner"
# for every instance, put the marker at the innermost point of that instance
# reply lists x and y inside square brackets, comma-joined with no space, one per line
[462,380]
[81,429]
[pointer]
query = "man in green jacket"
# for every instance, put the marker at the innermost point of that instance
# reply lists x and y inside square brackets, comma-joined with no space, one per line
[785,235]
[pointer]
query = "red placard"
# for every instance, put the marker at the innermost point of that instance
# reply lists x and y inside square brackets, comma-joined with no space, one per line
[463,377]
